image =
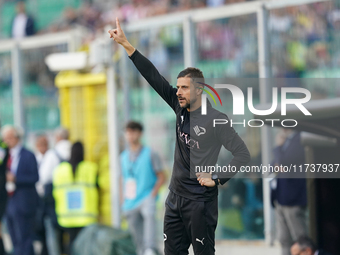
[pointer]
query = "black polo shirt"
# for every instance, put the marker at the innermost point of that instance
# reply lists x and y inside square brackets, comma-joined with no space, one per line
[198,143]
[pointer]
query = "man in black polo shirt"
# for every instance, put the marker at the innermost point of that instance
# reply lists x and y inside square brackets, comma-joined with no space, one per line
[191,206]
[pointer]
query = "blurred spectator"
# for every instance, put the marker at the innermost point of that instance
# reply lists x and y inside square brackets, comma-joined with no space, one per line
[318,56]
[305,246]
[75,190]
[289,194]
[253,210]
[22,175]
[53,157]
[90,17]
[303,38]
[41,145]
[184,5]
[70,18]
[142,178]
[4,155]
[201,4]
[215,3]
[22,24]
[279,21]
[232,201]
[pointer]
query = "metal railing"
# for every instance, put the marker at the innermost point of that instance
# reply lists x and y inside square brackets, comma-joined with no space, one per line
[72,40]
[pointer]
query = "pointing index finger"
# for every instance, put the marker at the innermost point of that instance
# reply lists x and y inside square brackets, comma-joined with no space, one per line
[117,23]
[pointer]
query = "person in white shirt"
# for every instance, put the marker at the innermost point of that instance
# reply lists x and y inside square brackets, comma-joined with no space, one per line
[41,145]
[215,3]
[52,158]
[23,24]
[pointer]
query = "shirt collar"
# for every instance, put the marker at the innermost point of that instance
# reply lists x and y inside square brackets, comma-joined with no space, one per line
[16,149]
[137,151]
[291,135]
[198,110]
[21,15]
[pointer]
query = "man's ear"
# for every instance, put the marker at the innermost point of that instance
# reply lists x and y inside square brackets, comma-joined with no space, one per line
[200,89]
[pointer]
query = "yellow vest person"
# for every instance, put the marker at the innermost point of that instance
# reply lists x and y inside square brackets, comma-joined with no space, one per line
[76,194]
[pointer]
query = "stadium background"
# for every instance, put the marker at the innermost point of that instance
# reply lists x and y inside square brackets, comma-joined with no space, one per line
[305,43]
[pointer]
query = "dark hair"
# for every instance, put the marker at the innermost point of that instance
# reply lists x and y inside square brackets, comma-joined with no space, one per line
[306,242]
[191,72]
[77,155]
[134,125]
[41,134]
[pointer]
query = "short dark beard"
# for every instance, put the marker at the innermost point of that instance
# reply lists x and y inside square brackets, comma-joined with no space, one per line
[186,106]
[192,101]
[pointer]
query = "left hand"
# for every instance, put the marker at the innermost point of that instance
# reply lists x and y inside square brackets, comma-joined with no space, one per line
[205,179]
[10,177]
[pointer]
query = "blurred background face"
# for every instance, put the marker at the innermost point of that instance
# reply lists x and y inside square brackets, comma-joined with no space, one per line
[61,134]
[11,139]
[42,144]
[20,7]
[58,138]
[296,250]
[132,136]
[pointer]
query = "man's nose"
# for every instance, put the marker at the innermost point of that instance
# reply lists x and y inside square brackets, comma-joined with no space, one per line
[179,92]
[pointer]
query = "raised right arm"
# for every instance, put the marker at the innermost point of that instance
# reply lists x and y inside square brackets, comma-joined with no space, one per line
[146,68]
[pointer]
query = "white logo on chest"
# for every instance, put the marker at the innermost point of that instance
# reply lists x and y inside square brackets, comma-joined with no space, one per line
[199,130]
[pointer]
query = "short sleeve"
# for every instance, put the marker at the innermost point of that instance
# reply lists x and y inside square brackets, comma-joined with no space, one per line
[156,162]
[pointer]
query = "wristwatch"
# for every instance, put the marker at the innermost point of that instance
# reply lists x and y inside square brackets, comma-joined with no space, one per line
[214,177]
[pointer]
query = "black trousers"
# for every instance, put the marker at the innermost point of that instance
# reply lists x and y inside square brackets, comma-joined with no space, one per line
[2,247]
[73,233]
[189,222]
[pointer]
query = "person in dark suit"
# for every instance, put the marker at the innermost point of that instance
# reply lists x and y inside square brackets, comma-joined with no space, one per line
[305,246]
[4,154]
[23,24]
[289,195]
[22,174]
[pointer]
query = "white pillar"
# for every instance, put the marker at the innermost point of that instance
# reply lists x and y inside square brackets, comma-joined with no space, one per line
[113,138]
[189,43]
[265,97]
[17,87]
[124,76]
